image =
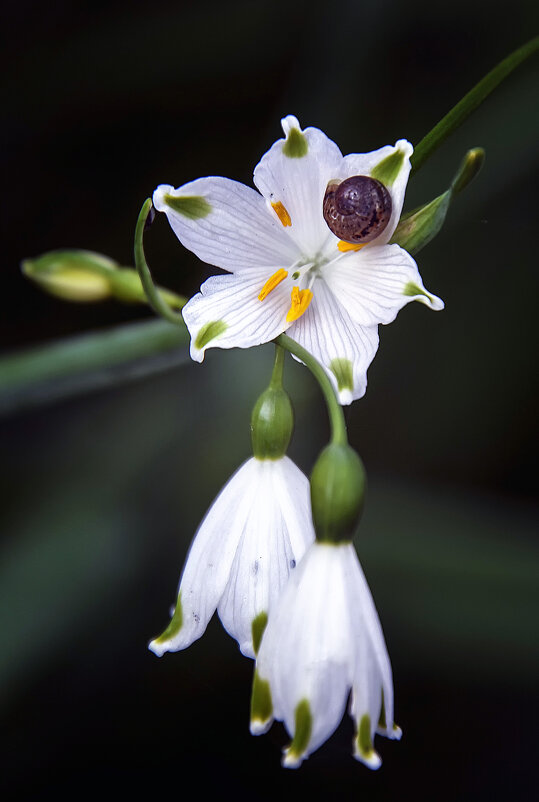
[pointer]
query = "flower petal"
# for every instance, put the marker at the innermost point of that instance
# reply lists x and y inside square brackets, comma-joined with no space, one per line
[226,224]
[394,176]
[227,312]
[364,604]
[372,690]
[306,654]
[344,347]
[208,564]
[375,283]
[295,172]
[276,532]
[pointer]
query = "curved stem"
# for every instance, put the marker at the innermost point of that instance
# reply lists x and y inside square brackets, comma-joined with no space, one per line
[335,412]
[155,299]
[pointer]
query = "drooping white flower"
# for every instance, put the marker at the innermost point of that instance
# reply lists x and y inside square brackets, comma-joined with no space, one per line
[322,640]
[253,535]
[288,270]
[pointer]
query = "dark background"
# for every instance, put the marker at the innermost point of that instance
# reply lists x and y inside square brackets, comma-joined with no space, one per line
[102,494]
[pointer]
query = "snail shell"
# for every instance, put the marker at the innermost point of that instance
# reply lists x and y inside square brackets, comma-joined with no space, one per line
[358,209]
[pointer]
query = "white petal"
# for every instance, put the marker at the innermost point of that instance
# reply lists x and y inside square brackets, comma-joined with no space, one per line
[364,605]
[372,667]
[374,283]
[208,564]
[292,489]
[344,348]
[227,312]
[306,653]
[300,183]
[366,699]
[276,532]
[236,232]
[364,164]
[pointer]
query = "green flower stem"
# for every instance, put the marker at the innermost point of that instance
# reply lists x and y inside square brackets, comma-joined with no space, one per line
[87,362]
[158,304]
[454,118]
[272,418]
[335,411]
[276,382]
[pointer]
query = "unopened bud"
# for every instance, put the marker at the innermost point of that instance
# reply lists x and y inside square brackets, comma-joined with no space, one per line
[338,483]
[272,423]
[418,227]
[469,168]
[85,276]
[72,275]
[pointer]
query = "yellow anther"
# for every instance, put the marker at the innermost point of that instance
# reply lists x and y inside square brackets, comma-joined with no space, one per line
[281,213]
[272,282]
[349,246]
[300,302]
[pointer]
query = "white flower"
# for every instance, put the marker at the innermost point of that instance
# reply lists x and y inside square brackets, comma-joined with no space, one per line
[323,639]
[289,271]
[256,530]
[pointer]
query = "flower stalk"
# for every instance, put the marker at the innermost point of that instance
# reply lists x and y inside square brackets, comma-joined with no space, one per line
[335,411]
[156,301]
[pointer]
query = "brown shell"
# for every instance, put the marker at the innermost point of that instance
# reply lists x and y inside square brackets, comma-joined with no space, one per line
[358,209]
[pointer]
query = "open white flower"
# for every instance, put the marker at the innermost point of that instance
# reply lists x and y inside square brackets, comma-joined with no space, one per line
[323,640]
[289,271]
[256,530]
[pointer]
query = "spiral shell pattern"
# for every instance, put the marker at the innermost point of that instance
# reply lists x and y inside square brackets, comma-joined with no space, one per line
[357,209]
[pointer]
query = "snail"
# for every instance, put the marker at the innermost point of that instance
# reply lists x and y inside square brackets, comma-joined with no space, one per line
[357,209]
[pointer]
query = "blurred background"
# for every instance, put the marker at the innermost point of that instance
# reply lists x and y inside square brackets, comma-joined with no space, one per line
[101,493]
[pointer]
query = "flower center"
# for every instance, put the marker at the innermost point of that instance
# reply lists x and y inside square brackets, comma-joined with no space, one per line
[300,298]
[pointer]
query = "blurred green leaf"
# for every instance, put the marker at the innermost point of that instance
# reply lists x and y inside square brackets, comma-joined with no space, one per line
[88,362]
[454,118]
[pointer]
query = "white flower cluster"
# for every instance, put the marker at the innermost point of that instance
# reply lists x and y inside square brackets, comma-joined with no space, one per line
[302,605]
[310,253]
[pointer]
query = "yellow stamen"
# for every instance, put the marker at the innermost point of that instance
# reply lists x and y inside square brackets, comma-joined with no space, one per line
[300,301]
[281,213]
[349,246]
[272,282]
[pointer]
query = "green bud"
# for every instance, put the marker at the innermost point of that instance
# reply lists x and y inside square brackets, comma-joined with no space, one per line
[418,227]
[338,484]
[469,168]
[85,276]
[272,423]
[72,275]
